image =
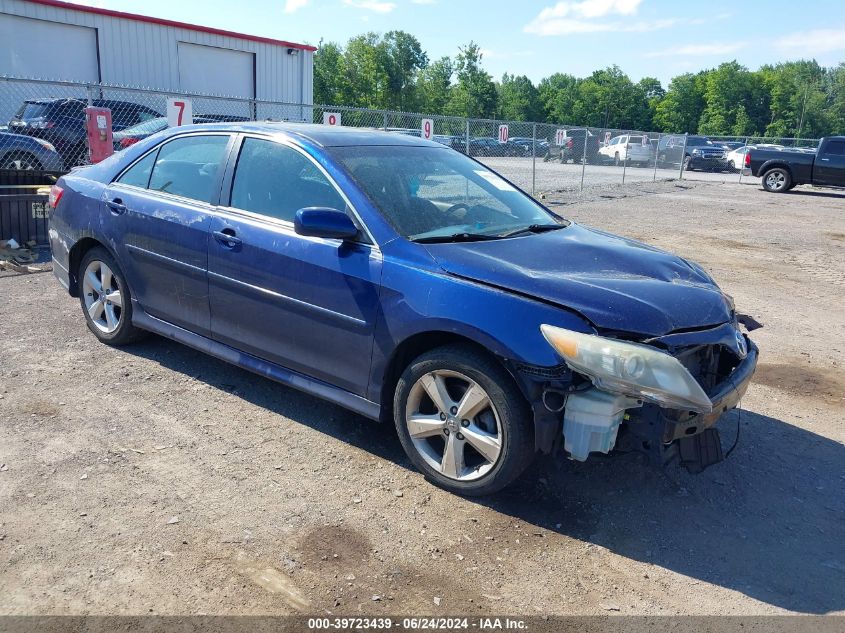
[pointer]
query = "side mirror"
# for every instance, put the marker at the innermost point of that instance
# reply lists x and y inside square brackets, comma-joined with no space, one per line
[324,222]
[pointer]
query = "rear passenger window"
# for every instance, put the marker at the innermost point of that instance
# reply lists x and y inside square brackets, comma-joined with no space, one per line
[139,174]
[188,166]
[835,148]
[277,181]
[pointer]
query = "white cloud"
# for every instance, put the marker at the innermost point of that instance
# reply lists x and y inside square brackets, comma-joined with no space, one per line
[814,42]
[292,6]
[589,9]
[376,6]
[699,50]
[568,27]
[568,17]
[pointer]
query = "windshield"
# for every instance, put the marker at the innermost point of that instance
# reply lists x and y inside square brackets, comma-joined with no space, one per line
[696,141]
[431,192]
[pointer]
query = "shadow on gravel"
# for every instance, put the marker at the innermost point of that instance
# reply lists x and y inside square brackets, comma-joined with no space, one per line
[767,523]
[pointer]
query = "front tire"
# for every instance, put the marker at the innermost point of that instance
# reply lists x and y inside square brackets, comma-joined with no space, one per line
[687,163]
[105,299]
[462,421]
[777,180]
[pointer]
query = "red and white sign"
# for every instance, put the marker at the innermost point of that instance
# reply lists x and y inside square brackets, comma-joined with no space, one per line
[503,133]
[331,118]
[560,137]
[645,140]
[427,129]
[606,138]
[179,112]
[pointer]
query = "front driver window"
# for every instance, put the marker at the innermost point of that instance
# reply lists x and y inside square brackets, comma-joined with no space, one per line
[276,181]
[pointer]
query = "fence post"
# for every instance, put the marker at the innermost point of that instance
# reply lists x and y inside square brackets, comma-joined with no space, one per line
[741,167]
[625,159]
[385,120]
[656,152]
[584,158]
[534,160]
[467,137]
[683,156]
[90,92]
[253,109]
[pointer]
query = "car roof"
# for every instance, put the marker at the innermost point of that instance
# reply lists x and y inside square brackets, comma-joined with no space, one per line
[322,135]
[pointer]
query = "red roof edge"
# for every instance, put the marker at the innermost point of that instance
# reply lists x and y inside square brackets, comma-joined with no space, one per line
[182,25]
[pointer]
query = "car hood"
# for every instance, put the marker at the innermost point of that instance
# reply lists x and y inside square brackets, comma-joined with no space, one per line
[617,283]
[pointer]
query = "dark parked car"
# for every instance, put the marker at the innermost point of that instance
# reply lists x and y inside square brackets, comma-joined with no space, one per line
[131,135]
[573,148]
[491,147]
[540,147]
[24,152]
[62,122]
[696,152]
[408,283]
[781,170]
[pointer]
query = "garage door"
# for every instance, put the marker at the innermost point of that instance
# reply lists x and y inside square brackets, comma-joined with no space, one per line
[216,71]
[47,50]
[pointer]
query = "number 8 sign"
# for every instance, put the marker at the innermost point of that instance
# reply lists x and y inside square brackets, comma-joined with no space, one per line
[331,118]
[427,129]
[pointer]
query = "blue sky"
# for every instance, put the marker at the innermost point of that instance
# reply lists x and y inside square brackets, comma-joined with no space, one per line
[659,38]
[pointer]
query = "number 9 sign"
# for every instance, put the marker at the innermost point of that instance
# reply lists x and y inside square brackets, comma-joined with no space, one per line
[427,129]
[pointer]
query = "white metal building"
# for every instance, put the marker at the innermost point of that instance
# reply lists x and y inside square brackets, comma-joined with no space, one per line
[48,39]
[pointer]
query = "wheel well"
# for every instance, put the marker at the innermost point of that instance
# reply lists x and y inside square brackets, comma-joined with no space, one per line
[770,167]
[77,252]
[411,348]
[19,153]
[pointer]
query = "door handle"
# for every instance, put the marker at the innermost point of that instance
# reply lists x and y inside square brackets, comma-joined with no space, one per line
[116,206]
[227,237]
[824,159]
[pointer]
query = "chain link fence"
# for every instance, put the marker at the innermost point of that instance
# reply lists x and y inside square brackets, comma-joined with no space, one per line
[42,127]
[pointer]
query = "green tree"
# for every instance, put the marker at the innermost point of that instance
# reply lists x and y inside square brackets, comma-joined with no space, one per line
[681,107]
[558,94]
[434,85]
[366,75]
[475,93]
[328,74]
[519,99]
[405,59]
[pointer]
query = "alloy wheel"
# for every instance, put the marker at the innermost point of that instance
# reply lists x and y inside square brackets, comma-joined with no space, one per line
[776,180]
[103,296]
[454,425]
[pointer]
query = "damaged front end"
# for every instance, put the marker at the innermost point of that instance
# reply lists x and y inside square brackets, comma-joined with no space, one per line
[661,396]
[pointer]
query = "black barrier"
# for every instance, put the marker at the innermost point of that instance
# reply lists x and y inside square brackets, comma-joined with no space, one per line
[24,213]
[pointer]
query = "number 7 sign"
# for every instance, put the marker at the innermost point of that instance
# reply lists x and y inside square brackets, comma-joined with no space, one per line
[179,112]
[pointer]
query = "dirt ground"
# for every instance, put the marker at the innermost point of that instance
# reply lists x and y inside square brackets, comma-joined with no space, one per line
[154,479]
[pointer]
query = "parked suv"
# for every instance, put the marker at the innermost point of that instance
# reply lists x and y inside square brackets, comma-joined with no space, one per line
[695,152]
[627,148]
[410,284]
[62,123]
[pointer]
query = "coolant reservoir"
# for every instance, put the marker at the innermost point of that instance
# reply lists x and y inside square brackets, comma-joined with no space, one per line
[591,420]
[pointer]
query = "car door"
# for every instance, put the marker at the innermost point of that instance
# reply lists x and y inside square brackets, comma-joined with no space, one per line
[306,303]
[158,213]
[829,166]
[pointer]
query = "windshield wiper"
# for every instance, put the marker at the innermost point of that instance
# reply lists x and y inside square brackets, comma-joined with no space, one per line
[455,237]
[533,228]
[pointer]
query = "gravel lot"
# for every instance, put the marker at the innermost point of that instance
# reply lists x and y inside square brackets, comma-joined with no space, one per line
[552,176]
[154,479]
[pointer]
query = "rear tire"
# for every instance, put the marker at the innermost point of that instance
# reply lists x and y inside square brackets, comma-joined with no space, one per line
[474,435]
[777,180]
[105,299]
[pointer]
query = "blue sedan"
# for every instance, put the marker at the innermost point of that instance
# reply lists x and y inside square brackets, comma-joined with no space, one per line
[26,152]
[409,283]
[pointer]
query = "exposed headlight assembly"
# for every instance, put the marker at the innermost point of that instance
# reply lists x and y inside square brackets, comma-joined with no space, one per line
[629,368]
